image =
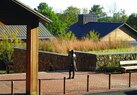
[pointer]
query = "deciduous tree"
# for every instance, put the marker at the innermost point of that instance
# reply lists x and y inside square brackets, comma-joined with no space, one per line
[132,20]
[98,10]
[70,15]
[55,27]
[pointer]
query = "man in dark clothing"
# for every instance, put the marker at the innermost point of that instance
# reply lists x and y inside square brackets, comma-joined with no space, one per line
[72,67]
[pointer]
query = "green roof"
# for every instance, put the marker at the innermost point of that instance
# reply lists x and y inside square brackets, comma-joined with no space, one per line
[20,31]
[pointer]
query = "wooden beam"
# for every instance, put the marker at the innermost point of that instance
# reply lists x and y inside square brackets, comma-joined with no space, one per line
[32,60]
[1,23]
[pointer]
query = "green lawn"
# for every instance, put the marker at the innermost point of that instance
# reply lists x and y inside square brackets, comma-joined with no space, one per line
[131,49]
[2,71]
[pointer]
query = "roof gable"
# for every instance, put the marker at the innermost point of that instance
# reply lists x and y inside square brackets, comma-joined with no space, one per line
[129,30]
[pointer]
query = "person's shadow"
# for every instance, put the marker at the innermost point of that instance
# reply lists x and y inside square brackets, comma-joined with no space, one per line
[133,92]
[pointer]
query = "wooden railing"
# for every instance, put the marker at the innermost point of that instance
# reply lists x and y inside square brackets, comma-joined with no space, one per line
[87,84]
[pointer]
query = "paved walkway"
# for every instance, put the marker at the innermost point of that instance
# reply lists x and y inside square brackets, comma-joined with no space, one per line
[52,83]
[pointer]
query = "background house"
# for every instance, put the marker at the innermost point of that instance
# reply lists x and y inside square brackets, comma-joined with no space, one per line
[107,31]
[20,31]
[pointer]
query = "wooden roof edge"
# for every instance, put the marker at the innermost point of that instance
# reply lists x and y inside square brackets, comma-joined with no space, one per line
[130,27]
[40,16]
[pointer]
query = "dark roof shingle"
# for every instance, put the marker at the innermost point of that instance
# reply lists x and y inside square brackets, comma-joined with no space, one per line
[103,28]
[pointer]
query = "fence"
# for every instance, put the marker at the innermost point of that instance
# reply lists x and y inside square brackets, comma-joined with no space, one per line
[8,88]
[91,83]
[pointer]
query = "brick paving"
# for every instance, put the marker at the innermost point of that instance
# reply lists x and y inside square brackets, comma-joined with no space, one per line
[52,83]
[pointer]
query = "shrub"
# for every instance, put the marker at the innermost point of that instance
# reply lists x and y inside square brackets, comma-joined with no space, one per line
[7,46]
[66,36]
[94,36]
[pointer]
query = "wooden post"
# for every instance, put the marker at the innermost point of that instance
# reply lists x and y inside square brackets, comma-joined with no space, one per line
[39,86]
[32,60]
[87,83]
[64,85]
[12,87]
[129,79]
[109,81]
[1,23]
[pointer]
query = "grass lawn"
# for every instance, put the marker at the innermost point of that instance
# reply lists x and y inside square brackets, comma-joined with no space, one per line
[131,49]
[2,71]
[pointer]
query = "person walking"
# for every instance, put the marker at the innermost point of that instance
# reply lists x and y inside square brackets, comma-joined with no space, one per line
[72,67]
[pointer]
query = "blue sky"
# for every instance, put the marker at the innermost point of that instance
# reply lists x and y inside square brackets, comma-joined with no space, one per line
[130,6]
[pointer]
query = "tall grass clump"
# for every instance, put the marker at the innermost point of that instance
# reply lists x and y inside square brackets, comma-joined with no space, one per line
[62,46]
[90,42]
